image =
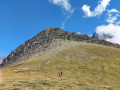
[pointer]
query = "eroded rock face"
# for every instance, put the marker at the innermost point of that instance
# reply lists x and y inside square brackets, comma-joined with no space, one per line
[42,40]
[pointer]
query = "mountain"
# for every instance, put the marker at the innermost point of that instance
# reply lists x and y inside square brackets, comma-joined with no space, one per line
[86,63]
[2,58]
[36,46]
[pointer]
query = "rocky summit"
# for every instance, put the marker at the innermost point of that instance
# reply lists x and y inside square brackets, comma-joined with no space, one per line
[39,44]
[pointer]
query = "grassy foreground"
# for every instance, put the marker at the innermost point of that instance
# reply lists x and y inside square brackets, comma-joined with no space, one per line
[84,67]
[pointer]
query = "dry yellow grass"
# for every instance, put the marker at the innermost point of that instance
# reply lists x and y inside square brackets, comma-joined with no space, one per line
[84,67]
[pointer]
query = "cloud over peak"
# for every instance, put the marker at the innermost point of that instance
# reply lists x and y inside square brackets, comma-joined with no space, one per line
[111,30]
[98,10]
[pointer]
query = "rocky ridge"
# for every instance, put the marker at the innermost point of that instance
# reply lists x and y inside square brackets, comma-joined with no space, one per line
[33,48]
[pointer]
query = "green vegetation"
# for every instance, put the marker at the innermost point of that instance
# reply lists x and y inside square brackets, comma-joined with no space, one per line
[84,67]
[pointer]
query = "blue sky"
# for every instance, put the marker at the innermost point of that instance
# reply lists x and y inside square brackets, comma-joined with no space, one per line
[20,20]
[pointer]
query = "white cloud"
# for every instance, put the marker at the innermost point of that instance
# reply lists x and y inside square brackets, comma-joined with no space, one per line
[90,35]
[111,30]
[112,15]
[64,4]
[98,10]
[117,23]
[86,10]
[65,20]
[63,25]
[78,33]
[113,10]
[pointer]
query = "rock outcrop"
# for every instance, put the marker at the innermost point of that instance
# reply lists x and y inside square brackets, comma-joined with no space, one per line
[42,40]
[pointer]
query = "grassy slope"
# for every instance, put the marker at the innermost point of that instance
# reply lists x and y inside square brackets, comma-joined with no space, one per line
[84,67]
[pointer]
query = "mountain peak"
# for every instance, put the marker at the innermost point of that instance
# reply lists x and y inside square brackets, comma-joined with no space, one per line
[35,47]
[52,29]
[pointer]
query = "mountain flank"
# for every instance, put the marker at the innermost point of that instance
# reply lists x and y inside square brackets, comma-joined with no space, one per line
[85,66]
[42,42]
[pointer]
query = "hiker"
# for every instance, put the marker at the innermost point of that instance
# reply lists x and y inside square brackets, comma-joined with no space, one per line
[61,73]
